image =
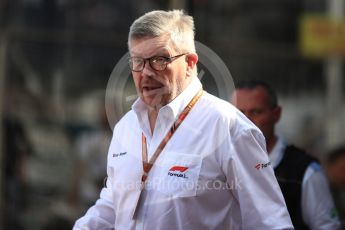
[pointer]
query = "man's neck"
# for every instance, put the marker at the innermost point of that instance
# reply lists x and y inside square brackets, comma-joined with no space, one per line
[270,143]
[153,113]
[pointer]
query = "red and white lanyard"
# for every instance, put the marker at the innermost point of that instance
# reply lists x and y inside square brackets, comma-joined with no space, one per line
[147,165]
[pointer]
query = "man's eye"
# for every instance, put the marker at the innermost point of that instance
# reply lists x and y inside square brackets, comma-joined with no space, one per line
[256,112]
[159,60]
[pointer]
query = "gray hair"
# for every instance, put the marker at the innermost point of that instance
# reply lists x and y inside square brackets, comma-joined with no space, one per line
[177,25]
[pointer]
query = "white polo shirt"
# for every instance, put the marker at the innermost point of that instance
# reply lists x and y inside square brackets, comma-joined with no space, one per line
[318,209]
[214,173]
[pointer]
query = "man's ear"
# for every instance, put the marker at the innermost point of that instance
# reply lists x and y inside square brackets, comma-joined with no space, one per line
[191,60]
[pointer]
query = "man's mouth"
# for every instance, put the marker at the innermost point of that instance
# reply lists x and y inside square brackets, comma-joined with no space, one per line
[150,90]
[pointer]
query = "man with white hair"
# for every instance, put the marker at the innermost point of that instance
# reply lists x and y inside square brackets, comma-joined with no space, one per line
[182,158]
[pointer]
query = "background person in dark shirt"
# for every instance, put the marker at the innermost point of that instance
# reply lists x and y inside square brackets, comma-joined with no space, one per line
[303,183]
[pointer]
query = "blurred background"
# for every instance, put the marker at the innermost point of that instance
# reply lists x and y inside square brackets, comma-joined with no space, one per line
[56,58]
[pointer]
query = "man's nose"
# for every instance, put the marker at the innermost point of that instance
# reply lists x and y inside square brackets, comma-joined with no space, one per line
[147,71]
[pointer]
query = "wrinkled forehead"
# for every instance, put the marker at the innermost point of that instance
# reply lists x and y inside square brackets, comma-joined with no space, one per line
[150,46]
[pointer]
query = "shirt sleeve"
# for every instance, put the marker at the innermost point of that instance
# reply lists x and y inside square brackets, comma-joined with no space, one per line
[318,209]
[259,197]
[101,215]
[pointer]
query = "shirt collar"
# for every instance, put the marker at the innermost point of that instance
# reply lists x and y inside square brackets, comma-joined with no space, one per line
[277,153]
[182,100]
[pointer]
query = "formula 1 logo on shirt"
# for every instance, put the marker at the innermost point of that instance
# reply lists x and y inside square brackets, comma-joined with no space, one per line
[262,165]
[178,171]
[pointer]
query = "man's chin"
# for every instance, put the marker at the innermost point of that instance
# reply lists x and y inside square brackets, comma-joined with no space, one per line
[154,102]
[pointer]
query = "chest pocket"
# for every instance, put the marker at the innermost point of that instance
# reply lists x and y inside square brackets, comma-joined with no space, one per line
[179,174]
